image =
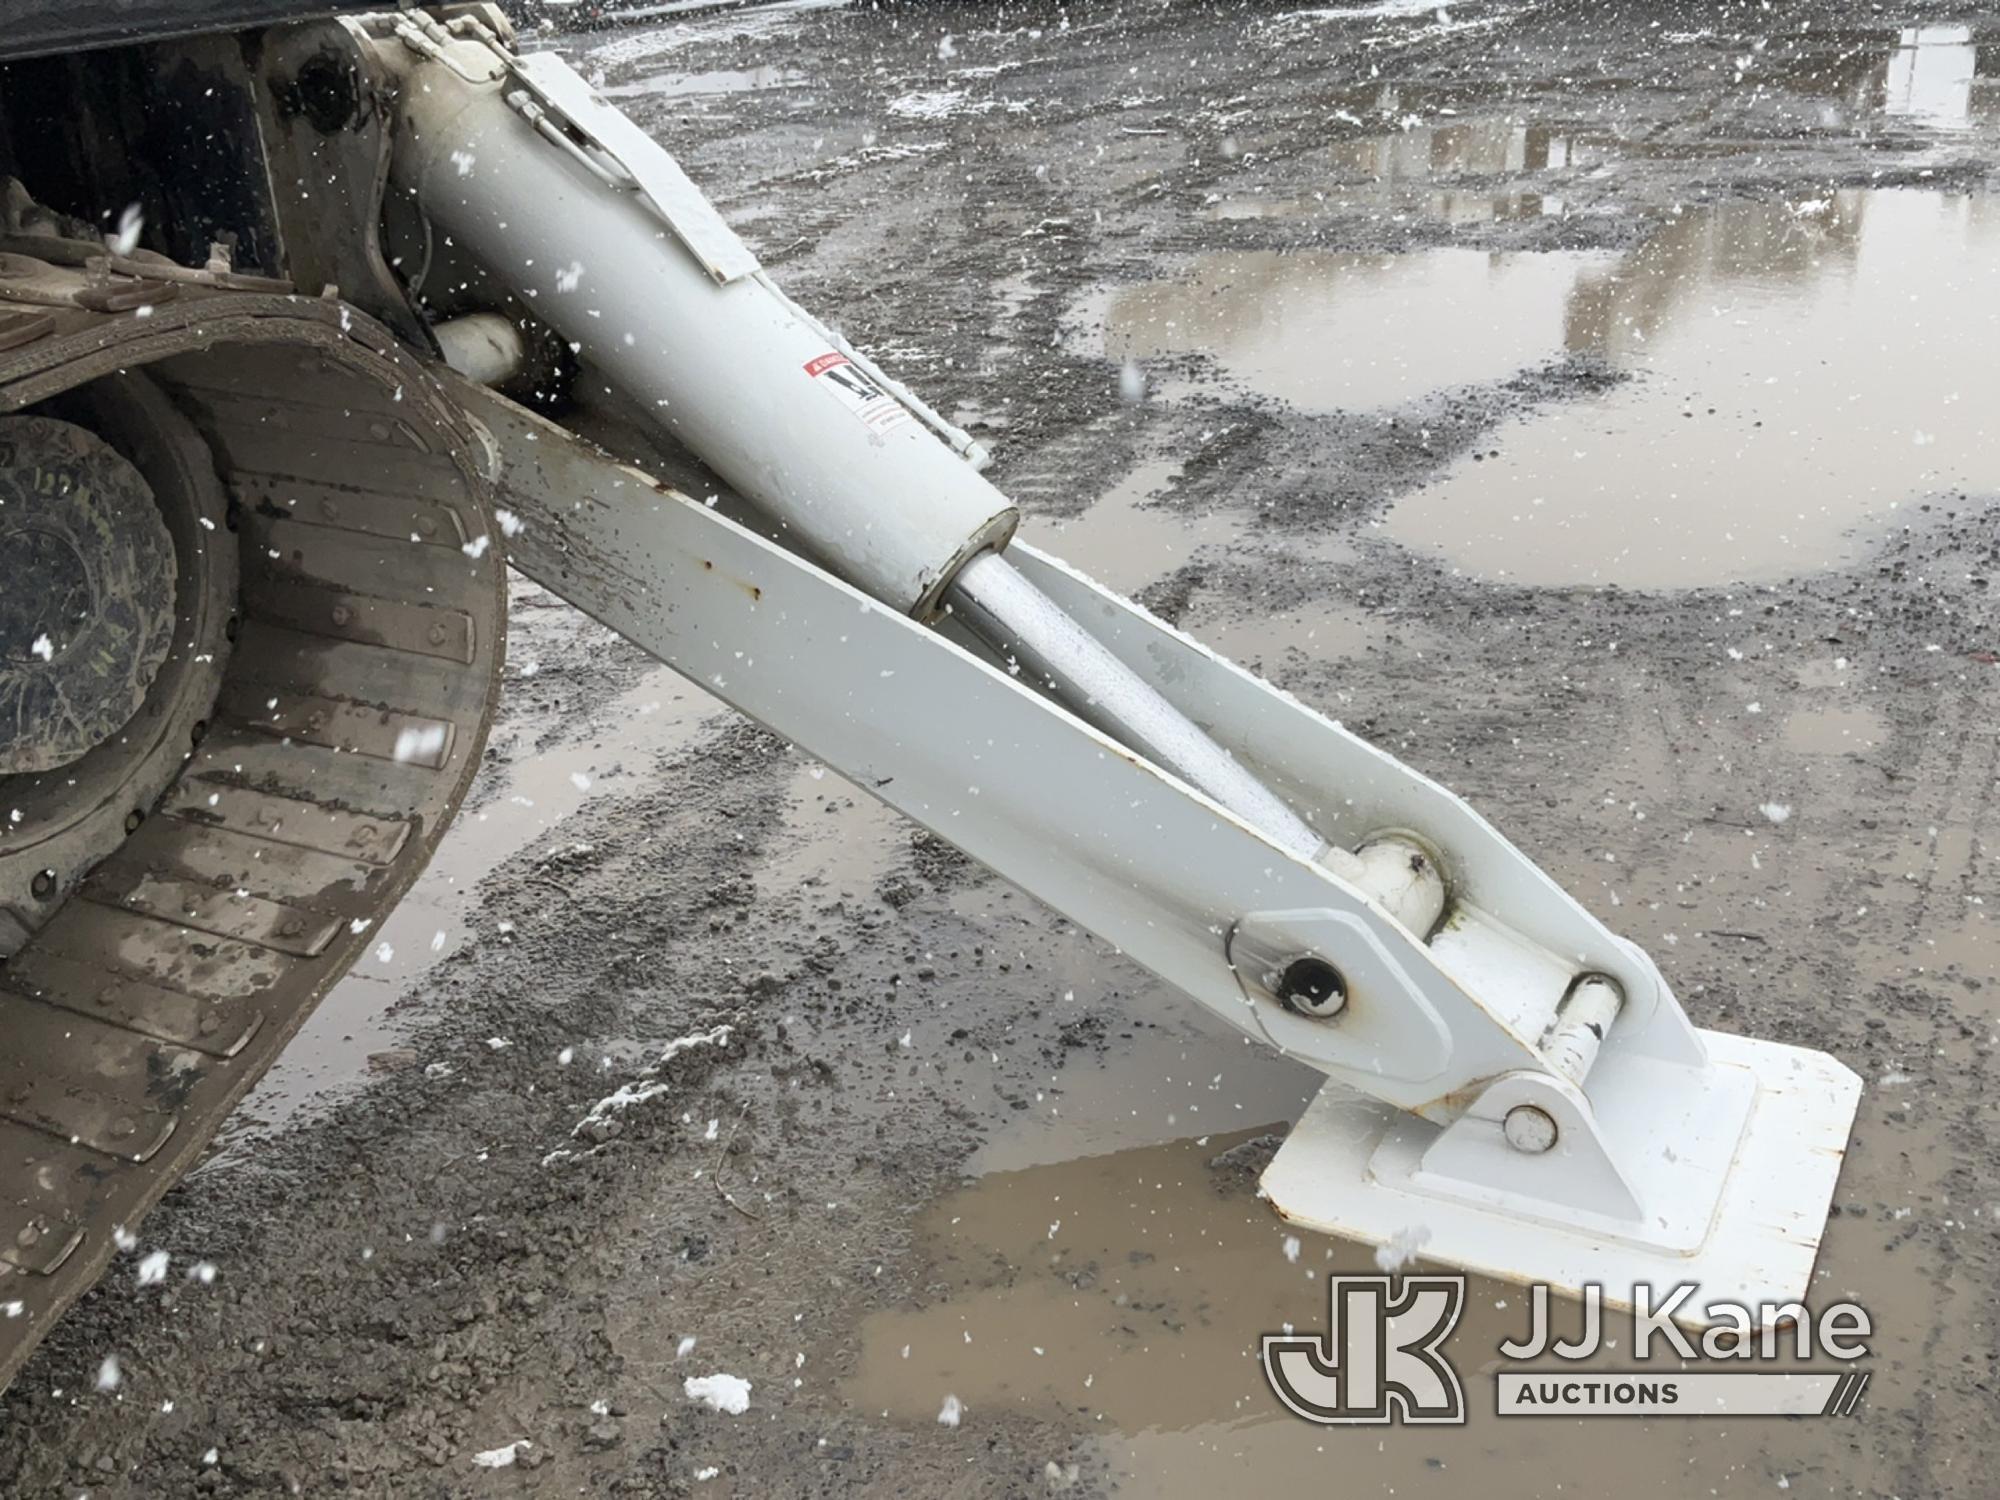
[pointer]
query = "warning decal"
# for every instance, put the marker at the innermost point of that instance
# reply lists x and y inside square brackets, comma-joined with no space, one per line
[862,396]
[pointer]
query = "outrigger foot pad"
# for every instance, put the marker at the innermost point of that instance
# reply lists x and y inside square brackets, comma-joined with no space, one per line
[1719,1176]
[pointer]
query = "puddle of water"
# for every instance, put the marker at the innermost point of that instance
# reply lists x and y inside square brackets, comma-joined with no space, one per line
[1320,631]
[1126,1294]
[1126,1285]
[1801,370]
[1971,949]
[839,842]
[535,793]
[1834,730]
[1125,542]
[1489,145]
[1328,331]
[1163,1085]
[1451,207]
[1123,1294]
[1430,163]
[718,81]
[632,43]
[1378,171]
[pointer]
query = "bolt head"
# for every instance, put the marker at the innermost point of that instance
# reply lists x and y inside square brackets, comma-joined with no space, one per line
[1529,1129]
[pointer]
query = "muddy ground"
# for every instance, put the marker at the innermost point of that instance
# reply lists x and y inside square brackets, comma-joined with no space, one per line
[937,1142]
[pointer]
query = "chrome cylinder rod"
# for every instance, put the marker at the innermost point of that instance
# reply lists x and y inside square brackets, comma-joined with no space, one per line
[1580,1026]
[1008,611]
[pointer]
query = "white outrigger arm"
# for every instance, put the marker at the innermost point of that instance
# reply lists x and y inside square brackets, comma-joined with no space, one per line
[1502,1071]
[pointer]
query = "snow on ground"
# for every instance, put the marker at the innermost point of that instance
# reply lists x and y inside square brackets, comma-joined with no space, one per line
[725,1393]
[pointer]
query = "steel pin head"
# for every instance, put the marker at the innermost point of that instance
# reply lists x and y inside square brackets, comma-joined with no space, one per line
[1313,988]
[1529,1128]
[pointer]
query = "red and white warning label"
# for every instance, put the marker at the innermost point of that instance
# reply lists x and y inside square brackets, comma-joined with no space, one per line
[860,395]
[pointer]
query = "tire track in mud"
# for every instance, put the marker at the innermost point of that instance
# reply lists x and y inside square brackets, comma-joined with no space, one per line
[1966,807]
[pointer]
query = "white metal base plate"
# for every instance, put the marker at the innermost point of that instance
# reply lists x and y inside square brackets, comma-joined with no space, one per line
[1759,1249]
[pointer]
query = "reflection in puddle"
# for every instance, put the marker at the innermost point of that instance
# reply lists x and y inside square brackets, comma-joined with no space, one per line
[1162,1085]
[1488,146]
[1455,206]
[1471,149]
[1327,331]
[1376,171]
[1124,542]
[1425,161]
[1930,76]
[1801,369]
[1125,1295]
[1132,1285]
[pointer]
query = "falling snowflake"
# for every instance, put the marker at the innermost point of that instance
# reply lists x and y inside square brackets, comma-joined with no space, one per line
[1402,1248]
[125,239]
